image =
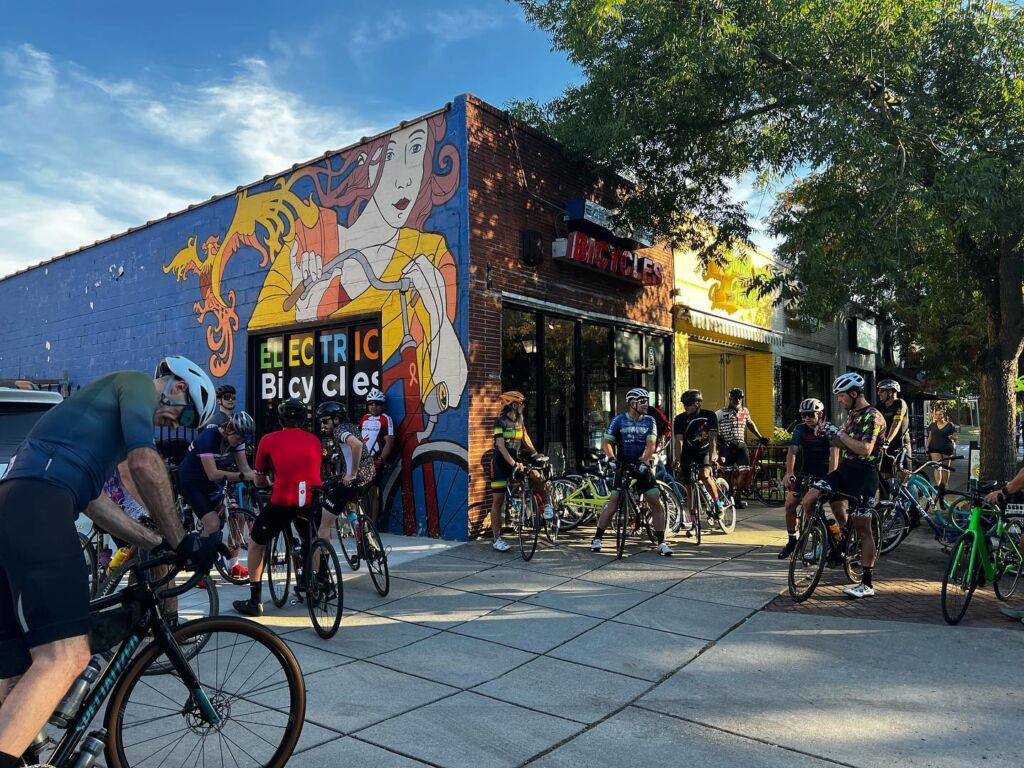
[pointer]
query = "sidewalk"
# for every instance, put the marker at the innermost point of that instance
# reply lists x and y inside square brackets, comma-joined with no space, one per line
[476,658]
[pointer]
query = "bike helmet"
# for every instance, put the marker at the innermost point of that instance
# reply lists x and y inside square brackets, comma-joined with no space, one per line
[691,396]
[513,396]
[375,396]
[200,388]
[846,382]
[330,410]
[243,423]
[638,393]
[811,405]
[225,389]
[736,392]
[889,384]
[291,412]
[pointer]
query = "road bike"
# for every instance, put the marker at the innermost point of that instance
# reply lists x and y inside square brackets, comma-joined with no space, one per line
[579,498]
[522,507]
[360,542]
[220,691]
[818,548]
[721,518]
[761,480]
[983,553]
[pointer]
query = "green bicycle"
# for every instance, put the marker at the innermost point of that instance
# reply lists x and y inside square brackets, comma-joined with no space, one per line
[974,560]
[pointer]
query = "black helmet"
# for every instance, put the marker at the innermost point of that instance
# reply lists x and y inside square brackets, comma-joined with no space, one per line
[736,392]
[225,389]
[292,412]
[691,396]
[329,410]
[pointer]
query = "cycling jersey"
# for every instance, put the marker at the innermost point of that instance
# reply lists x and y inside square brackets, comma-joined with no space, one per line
[896,413]
[206,442]
[865,425]
[814,448]
[78,442]
[511,432]
[293,456]
[365,471]
[630,437]
[695,431]
[732,424]
[115,489]
[374,429]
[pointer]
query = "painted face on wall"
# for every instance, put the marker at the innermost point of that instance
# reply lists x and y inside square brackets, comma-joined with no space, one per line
[401,174]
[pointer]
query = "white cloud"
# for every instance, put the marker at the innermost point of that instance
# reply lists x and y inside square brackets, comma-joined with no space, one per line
[97,155]
[464,23]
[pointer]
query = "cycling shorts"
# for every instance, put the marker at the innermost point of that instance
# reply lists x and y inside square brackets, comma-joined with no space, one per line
[736,455]
[501,472]
[340,495]
[702,459]
[645,482]
[202,497]
[271,520]
[44,582]
[854,478]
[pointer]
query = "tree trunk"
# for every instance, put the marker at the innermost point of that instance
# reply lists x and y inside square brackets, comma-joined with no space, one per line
[998,447]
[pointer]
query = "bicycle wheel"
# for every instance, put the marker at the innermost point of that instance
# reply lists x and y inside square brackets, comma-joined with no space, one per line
[278,567]
[252,680]
[1009,560]
[236,538]
[566,498]
[529,522]
[89,553]
[642,520]
[772,491]
[324,598]
[727,518]
[622,516]
[698,526]
[376,556]
[852,565]
[895,526]
[807,562]
[673,508]
[199,603]
[959,579]
[347,541]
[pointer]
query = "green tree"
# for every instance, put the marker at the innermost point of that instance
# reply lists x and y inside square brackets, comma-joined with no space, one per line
[901,121]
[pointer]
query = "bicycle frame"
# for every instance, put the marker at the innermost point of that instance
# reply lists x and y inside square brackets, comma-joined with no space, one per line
[980,554]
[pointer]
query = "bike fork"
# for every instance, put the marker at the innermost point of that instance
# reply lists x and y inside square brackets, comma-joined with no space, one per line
[166,640]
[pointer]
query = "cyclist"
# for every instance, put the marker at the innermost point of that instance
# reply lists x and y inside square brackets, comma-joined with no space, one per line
[860,444]
[817,456]
[695,433]
[632,438]
[897,424]
[291,456]
[352,462]
[378,433]
[510,437]
[201,481]
[226,400]
[733,422]
[58,472]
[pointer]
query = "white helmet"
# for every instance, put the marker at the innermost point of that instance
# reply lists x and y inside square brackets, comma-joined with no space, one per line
[375,396]
[846,382]
[811,405]
[889,384]
[200,389]
[638,393]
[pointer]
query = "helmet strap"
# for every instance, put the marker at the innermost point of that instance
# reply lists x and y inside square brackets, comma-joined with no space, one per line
[190,415]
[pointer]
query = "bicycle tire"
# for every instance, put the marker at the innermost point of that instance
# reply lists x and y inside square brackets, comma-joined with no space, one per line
[191,608]
[529,525]
[643,520]
[698,527]
[851,560]
[727,518]
[376,557]
[895,527]
[807,562]
[278,567]
[237,538]
[959,580]
[89,553]
[622,515]
[350,551]
[283,689]
[324,595]
[570,514]
[670,503]
[1009,560]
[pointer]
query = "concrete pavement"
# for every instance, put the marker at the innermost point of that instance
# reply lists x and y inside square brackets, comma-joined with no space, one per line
[478,659]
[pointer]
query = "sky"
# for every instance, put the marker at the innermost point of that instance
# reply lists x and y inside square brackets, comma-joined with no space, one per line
[115,113]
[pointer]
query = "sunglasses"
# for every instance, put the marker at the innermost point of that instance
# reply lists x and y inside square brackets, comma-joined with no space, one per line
[228,397]
[808,415]
[642,401]
[379,405]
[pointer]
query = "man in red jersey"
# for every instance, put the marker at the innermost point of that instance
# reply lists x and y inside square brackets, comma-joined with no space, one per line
[292,455]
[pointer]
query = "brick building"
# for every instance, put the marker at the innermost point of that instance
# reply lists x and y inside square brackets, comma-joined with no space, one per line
[442,261]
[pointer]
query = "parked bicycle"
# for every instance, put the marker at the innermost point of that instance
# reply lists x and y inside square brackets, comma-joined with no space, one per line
[360,542]
[199,704]
[522,508]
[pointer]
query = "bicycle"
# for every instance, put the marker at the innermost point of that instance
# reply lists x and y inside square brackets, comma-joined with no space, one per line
[319,586]
[364,543]
[522,508]
[187,707]
[579,499]
[236,524]
[973,560]
[817,548]
[723,518]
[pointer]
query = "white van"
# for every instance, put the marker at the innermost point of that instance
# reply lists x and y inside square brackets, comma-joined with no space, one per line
[20,409]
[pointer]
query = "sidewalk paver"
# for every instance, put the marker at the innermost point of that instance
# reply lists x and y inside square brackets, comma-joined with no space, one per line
[741,591]
[364,635]
[439,607]
[636,575]
[589,598]
[507,583]
[357,753]
[533,628]
[455,660]
[693,618]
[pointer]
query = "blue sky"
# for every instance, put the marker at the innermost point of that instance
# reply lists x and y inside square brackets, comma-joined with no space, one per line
[115,113]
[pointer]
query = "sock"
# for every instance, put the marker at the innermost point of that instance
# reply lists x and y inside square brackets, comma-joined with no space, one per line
[9,761]
[661,536]
[792,534]
[867,577]
[599,534]
[256,591]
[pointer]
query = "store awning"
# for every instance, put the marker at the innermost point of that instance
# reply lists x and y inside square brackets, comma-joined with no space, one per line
[705,321]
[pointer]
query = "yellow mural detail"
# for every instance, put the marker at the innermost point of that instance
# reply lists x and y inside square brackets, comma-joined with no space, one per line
[730,288]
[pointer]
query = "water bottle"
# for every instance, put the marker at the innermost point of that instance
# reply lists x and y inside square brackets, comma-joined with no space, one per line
[834,529]
[92,747]
[68,707]
[119,557]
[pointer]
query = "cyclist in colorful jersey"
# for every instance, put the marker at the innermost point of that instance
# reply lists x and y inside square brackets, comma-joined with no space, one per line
[897,424]
[351,462]
[378,432]
[510,438]
[289,462]
[695,431]
[812,444]
[631,439]
[733,422]
[860,444]
[57,473]
[201,481]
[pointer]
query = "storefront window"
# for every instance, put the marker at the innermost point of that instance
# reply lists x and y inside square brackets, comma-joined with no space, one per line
[560,388]
[597,385]
[519,360]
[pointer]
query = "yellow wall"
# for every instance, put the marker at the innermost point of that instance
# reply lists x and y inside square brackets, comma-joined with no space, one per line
[761,391]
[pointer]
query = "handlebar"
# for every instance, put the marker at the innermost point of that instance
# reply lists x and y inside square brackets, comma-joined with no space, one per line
[169,558]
